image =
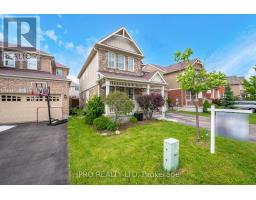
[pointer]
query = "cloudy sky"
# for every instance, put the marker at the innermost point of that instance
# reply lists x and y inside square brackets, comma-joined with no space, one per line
[222,42]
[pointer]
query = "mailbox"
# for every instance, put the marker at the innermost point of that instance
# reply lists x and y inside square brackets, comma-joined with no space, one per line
[171,154]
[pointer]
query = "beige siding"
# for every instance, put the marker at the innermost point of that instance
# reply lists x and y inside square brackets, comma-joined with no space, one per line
[89,79]
[171,80]
[121,43]
[237,89]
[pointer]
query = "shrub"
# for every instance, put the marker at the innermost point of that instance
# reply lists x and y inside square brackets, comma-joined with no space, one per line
[228,99]
[94,109]
[101,122]
[133,119]
[150,103]
[120,103]
[206,105]
[112,125]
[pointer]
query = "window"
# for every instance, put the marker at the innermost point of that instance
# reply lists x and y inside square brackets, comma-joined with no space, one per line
[9,59]
[32,63]
[10,98]
[111,60]
[188,95]
[59,72]
[130,93]
[121,62]
[131,64]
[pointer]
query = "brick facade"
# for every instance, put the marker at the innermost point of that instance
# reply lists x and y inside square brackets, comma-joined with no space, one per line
[19,86]
[103,63]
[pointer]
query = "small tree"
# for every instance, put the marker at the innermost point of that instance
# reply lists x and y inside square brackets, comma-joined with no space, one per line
[196,81]
[150,103]
[250,87]
[228,98]
[120,103]
[94,109]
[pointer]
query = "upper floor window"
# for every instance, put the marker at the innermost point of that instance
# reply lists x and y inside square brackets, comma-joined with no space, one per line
[111,60]
[9,59]
[131,64]
[59,72]
[32,63]
[121,62]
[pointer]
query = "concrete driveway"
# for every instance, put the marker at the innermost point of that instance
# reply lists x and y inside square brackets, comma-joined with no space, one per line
[34,154]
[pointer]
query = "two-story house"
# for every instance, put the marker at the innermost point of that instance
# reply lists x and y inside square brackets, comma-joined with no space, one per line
[19,102]
[115,64]
[178,97]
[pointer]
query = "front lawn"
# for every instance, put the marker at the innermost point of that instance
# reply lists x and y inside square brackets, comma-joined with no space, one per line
[135,156]
[252,118]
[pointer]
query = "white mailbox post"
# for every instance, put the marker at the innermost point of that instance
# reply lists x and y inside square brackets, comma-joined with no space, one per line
[230,123]
[171,154]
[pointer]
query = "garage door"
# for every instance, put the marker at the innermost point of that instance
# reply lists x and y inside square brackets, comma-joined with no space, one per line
[27,108]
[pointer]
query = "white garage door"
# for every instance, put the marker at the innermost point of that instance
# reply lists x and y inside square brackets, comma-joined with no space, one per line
[27,108]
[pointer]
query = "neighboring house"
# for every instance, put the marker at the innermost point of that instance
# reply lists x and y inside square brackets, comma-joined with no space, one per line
[115,64]
[177,96]
[236,84]
[19,101]
[74,95]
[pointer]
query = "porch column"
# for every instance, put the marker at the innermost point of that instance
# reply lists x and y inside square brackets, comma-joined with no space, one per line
[162,91]
[107,93]
[148,88]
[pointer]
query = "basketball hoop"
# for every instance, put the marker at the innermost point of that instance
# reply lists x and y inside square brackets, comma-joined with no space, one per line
[39,89]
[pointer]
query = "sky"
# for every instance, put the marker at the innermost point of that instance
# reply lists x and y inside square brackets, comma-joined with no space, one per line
[224,43]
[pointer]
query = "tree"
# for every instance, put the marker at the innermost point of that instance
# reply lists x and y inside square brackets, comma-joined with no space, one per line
[228,99]
[250,87]
[94,109]
[120,103]
[150,103]
[196,81]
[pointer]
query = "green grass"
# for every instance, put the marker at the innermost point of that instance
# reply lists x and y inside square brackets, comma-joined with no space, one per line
[139,150]
[252,117]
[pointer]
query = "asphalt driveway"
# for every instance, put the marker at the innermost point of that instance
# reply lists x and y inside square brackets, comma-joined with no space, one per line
[34,154]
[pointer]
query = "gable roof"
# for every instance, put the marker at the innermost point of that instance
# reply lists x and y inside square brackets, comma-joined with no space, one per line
[122,32]
[61,65]
[176,67]
[235,80]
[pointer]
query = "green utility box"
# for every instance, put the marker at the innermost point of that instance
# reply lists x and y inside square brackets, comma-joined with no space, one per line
[171,154]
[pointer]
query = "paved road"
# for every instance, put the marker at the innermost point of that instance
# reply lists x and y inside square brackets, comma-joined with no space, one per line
[182,118]
[34,154]
[204,122]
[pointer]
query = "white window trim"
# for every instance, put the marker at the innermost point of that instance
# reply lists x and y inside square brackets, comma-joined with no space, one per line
[132,64]
[31,67]
[120,55]
[7,59]
[109,53]
[61,72]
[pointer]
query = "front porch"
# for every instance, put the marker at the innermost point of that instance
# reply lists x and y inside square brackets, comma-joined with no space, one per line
[131,88]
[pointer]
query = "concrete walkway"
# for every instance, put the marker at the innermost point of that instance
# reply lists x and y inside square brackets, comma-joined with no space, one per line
[34,154]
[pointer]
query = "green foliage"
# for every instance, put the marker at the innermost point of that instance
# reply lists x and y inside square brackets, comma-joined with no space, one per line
[139,150]
[112,125]
[197,80]
[94,109]
[133,120]
[120,103]
[206,105]
[101,122]
[250,88]
[228,99]
[105,123]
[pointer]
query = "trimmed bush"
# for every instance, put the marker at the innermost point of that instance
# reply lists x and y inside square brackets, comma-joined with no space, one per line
[101,123]
[112,125]
[133,119]
[206,105]
[94,109]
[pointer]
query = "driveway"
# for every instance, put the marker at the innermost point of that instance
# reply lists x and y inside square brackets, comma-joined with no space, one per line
[204,122]
[34,154]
